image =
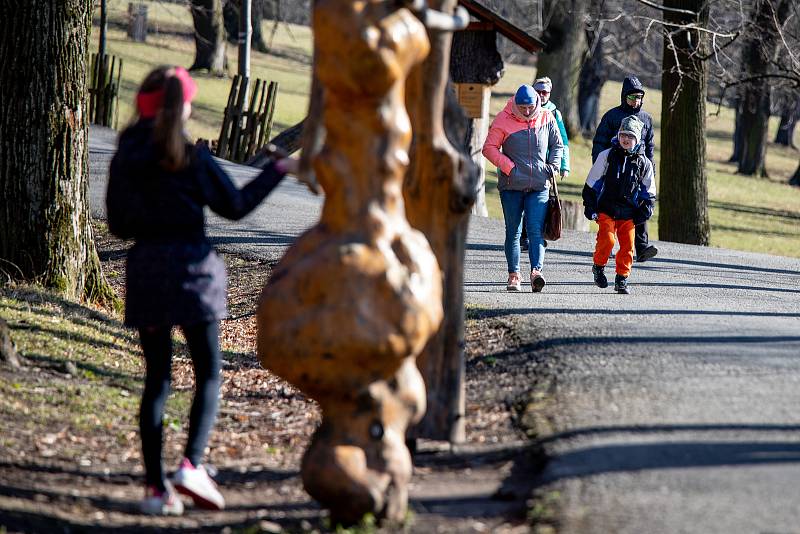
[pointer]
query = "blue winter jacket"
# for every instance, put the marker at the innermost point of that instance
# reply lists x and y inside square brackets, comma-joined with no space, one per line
[620,184]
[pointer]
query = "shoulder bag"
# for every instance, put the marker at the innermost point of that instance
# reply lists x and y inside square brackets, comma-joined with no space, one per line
[552,221]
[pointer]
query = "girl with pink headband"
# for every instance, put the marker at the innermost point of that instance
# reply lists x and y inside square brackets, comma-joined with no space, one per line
[159,184]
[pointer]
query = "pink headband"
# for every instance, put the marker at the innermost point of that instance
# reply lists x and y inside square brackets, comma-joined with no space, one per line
[150,102]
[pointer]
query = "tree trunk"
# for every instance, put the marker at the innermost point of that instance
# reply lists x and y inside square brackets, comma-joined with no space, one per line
[45,236]
[8,355]
[439,190]
[789,118]
[590,84]
[683,195]
[230,15]
[759,50]
[563,57]
[795,179]
[738,131]
[209,36]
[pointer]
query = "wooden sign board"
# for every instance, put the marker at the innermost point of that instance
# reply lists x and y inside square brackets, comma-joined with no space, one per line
[474,98]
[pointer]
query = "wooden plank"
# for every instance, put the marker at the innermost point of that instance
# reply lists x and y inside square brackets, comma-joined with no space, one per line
[272,101]
[92,91]
[256,108]
[224,134]
[236,124]
[251,120]
[116,96]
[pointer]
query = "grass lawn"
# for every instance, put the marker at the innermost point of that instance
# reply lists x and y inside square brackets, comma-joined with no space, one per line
[746,213]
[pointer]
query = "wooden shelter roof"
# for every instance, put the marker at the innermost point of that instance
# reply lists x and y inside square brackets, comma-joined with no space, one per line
[508,30]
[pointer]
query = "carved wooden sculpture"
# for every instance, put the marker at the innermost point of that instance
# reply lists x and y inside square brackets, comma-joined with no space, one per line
[357,296]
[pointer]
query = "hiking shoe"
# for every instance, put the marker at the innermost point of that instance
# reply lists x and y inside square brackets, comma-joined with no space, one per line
[621,284]
[647,254]
[514,282]
[157,502]
[537,281]
[195,483]
[599,273]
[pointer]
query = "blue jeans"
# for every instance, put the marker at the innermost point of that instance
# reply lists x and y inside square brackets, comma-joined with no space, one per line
[534,205]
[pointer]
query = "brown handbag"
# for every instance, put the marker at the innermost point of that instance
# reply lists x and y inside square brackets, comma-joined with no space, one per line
[552,221]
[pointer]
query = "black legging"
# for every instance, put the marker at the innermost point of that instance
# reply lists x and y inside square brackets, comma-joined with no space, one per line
[203,342]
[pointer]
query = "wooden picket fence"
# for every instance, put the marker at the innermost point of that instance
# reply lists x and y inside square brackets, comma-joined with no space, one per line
[246,129]
[104,90]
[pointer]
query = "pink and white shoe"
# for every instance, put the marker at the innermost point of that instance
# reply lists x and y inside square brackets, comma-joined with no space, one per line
[537,281]
[158,502]
[195,483]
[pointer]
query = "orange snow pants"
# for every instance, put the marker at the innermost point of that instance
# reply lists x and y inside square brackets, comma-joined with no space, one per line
[624,230]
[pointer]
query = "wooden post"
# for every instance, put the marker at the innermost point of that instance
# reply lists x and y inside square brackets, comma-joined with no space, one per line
[137,22]
[439,190]
[245,34]
[475,98]
[572,215]
[101,46]
[476,65]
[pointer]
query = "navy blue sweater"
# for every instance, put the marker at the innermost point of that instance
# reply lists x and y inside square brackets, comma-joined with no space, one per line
[174,277]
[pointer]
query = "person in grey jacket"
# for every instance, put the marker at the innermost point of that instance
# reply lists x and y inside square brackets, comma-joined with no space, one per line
[632,98]
[158,186]
[525,144]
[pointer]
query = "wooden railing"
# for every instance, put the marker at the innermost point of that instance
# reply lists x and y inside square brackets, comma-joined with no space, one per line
[104,90]
[245,129]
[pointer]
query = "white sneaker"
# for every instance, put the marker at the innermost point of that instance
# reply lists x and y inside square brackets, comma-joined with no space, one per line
[195,482]
[514,283]
[156,502]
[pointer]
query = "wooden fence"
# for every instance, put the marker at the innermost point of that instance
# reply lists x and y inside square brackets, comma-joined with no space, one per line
[245,129]
[104,90]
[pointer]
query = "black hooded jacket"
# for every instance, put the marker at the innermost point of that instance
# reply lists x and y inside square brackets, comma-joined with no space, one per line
[609,124]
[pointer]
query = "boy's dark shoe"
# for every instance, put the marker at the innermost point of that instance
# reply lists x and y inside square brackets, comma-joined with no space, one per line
[621,284]
[647,254]
[600,279]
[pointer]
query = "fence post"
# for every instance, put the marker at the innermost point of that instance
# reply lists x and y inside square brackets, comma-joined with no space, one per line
[137,22]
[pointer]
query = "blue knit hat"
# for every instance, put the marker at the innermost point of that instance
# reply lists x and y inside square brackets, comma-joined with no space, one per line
[525,96]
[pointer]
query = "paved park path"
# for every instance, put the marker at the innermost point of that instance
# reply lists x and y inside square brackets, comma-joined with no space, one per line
[673,409]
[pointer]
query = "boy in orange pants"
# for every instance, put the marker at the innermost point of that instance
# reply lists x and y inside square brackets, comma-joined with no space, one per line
[620,192]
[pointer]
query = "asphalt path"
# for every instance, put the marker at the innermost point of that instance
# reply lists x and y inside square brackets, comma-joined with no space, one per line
[674,409]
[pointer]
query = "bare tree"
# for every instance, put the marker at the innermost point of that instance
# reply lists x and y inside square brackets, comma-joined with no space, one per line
[683,215]
[564,55]
[209,36]
[757,57]
[790,114]
[45,236]
[8,354]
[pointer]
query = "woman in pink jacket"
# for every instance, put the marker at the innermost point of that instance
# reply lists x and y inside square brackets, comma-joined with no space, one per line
[525,144]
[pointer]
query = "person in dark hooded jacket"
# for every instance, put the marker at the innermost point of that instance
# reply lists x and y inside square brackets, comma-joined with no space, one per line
[158,186]
[632,98]
[620,192]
